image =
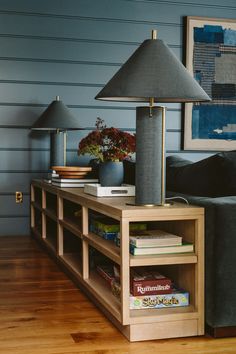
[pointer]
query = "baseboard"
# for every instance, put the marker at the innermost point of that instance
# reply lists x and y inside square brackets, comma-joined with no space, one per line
[221,332]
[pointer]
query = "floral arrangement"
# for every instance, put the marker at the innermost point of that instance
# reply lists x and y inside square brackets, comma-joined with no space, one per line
[107,144]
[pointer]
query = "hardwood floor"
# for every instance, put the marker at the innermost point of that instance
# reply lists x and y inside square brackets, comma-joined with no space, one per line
[43,312]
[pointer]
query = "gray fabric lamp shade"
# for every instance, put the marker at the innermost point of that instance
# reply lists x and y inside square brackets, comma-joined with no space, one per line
[56,117]
[152,74]
[153,71]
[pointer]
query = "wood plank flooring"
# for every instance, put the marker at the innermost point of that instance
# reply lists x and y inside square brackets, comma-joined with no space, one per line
[43,312]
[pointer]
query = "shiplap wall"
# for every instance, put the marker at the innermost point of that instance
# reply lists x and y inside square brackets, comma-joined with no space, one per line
[71,48]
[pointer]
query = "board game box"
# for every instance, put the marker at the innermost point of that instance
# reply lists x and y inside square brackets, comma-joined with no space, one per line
[148,282]
[177,298]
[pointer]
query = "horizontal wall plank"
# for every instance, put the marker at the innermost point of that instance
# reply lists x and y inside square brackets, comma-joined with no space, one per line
[14,226]
[74,28]
[11,182]
[8,206]
[24,139]
[11,115]
[18,116]
[123,9]
[24,160]
[30,161]
[85,51]
[64,73]
[20,93]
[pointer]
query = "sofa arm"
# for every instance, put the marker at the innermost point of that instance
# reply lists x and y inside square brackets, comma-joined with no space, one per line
[220,258]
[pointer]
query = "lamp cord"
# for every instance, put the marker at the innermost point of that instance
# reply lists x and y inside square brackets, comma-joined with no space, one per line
[182,198]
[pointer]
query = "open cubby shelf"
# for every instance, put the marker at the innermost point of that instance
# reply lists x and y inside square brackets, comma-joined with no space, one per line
[60,219]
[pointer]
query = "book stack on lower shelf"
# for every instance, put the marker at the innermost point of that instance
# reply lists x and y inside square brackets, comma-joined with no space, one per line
[154,242]
[148,288]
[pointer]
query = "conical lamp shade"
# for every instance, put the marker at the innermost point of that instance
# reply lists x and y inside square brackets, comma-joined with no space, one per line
[56,116]
[153,71]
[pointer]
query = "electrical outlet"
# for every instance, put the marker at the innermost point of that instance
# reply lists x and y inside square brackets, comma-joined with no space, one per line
[19,197]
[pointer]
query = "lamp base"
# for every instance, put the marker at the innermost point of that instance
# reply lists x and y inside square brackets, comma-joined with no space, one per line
[58,148]
[150,156]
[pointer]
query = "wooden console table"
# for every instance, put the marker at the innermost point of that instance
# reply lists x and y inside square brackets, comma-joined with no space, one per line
[60,221]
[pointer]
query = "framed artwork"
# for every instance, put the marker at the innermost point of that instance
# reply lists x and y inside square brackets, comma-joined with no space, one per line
[211,58]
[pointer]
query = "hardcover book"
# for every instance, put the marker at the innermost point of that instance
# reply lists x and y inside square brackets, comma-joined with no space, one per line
[70,182]
[154,238]
[73,180]
[185,247]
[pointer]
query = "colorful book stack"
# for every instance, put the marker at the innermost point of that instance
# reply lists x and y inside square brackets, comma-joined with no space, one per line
[154,242]
[109,228]
[148,288]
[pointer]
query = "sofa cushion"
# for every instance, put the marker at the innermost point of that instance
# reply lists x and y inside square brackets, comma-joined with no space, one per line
[129,171]
[228,166]
[214,176]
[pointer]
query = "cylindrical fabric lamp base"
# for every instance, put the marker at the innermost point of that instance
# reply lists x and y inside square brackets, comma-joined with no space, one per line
[149,178]
[57,157]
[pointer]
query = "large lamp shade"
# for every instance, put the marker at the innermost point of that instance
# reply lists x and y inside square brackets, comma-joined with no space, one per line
[152,74]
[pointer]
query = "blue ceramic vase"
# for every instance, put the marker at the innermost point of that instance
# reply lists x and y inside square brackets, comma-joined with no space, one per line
[111,173]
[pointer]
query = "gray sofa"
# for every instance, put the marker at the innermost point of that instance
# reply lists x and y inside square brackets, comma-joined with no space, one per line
[211,183]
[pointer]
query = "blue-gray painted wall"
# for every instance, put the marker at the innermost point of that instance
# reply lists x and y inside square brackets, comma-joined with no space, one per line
[71,48]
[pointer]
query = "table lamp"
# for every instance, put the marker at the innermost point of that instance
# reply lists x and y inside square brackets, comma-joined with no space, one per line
[57,119]
[152,74]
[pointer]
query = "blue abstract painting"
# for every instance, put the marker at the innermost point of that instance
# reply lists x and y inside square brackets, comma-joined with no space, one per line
[211,53]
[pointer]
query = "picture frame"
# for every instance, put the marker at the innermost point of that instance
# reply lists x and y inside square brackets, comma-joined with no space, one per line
[211,59]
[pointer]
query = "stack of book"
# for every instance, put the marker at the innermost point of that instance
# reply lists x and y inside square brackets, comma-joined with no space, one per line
[148,288]
[72,182]
[154,242]
[72,176]
[109,228]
